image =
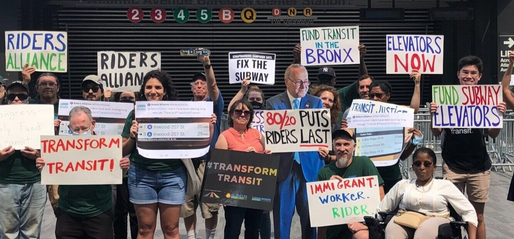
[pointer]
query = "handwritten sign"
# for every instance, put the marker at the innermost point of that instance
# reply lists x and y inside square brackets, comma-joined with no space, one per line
[124,71]
[258,120]
[336,202]
[109,116]
[241,179]
[260,67]
[81,160]
[408,52]
[330,45]
[375,114]
[467,106]
[173,129]
[22,125]
[297,130]
[45,50]
[383,146]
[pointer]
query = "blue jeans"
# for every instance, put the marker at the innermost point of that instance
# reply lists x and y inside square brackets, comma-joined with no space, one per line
[21,210]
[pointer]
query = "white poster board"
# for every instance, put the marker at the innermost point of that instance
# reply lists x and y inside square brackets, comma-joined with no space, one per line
[110,117]
[124,71]
[47,51]
[22,125]
[258,120]
[334,202]
[81,160]
[300,130]
[375,114]
[259,66]
[330,45]
[467,106]
[407,52]
[173,129]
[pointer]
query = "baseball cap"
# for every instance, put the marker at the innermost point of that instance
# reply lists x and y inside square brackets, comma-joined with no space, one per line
[18,83]
[199,75]
[341,133]
[326,71]
[93,78]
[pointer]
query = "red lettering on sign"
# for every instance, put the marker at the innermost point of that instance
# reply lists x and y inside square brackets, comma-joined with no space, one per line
[81,165]
[414,62]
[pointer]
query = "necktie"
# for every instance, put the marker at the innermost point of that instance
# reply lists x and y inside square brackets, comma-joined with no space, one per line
[296,105]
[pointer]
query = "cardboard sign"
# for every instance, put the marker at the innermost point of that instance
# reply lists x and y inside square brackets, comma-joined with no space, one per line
[22,125]
[467,106]
[334,202]
[258,120]
[173,129]
[297,130]
[383,146]
[330,45]
[45,50]
[124,71]
[408,52]
[110,117]
[81,160]
[375,114]
[241,179]
[260,67]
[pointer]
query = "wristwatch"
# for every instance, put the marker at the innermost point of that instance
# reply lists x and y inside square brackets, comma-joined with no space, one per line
[207,67]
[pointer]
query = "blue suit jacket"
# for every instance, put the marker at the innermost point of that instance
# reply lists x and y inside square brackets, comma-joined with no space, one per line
[311,162]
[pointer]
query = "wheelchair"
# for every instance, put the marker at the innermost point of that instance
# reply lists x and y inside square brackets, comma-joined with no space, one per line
[456,229]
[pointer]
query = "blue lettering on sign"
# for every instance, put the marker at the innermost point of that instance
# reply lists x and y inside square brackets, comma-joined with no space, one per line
[341,197]
[423,44]
[323,56]
[481,116]
[36,41]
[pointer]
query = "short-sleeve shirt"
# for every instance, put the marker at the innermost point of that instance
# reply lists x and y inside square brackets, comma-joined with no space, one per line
[361,166]
[145,163]
[238,142]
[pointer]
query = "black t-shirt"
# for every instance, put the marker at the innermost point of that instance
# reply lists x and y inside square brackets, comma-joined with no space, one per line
[464,150]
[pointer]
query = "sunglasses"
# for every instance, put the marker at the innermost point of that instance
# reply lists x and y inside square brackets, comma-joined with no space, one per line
[378,95]
[127,99]
[93,88]
[240,112]
[426,164]
[11,97]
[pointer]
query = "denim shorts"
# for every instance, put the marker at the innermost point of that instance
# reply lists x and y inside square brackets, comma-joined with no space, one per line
[149,187]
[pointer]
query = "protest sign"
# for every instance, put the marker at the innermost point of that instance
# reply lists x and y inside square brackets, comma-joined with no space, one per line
[110,117]
[330,45]
[383,146]
[240,179]
[22,125]
[260,67]
[173,129]
[408,52]
[467,106]
[45,50]
[334,202]
[297,130]
[258,120]
[81,160]
[376,114]
[124,71]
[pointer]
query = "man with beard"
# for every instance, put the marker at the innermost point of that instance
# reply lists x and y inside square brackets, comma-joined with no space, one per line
[347,166]
[92,88]
[204,88]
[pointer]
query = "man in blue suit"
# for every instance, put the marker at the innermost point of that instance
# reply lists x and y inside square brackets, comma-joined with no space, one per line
[295,169]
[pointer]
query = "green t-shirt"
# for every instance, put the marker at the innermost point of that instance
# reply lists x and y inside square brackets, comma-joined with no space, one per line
[37,100]
[145,163]
[17,169]
[361,166]
[85,201]
[391,173]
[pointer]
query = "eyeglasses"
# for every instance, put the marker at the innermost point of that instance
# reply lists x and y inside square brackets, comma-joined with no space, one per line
[378,95]
[298,83]
[11,97]
[127,99]
[77,130]
[426,164]
[93,88]
[240,112]
[47,84]
[198,83]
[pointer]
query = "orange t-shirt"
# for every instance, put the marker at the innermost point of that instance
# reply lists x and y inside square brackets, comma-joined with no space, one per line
[238,142]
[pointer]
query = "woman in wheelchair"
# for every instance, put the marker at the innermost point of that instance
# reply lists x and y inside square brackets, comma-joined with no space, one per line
[423,202]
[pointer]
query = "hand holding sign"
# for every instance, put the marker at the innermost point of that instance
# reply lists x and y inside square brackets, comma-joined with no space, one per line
[6,152]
